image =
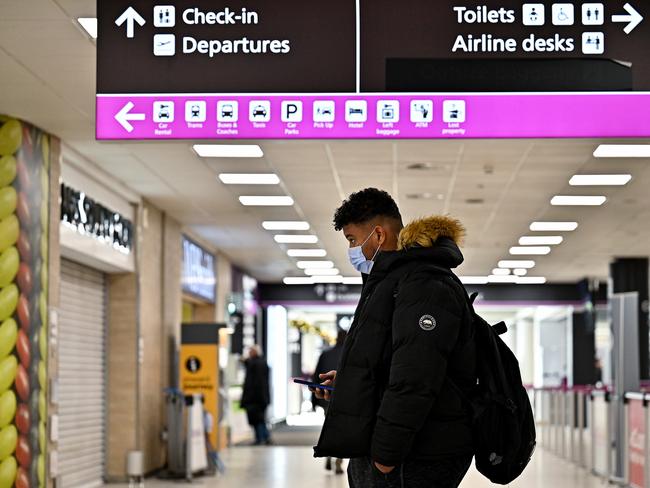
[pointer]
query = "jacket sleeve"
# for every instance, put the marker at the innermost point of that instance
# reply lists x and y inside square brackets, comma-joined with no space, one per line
[319,369]
[425,329]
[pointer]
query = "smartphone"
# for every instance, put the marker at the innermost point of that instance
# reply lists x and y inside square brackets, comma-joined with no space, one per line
[313,385]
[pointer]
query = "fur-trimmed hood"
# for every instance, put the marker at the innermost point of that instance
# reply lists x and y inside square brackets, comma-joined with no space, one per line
[425,232]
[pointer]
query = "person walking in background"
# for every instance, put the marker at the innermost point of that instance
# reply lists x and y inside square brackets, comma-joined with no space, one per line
[327,362]
[256,396]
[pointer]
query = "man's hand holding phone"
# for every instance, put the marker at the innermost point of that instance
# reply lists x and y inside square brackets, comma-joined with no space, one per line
[328,379]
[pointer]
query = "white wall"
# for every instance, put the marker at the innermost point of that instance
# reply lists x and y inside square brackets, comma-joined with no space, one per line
[278,358]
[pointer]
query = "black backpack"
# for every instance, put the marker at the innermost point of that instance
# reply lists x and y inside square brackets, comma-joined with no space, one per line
[503,421]
[504,425]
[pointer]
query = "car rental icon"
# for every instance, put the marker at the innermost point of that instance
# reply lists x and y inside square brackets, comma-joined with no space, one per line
[163,113]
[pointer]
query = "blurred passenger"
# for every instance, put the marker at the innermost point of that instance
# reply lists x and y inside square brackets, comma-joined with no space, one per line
[598,372]
[256,396]
[399,408]
[329,361]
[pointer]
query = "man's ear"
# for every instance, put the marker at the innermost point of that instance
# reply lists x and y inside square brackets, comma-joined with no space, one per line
[381,234]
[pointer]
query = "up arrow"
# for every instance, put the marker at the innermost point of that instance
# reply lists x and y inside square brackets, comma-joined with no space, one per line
[130,16]
[633,18]
[124,117]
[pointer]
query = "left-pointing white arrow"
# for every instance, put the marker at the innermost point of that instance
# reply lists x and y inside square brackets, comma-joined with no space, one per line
[130,16]
[124,117]
[633,18]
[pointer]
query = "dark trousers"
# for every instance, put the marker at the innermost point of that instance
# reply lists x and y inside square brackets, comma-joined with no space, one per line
[257,420]
[443,473]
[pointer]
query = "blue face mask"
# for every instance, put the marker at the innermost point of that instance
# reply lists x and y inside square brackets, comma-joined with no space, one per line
[359,261]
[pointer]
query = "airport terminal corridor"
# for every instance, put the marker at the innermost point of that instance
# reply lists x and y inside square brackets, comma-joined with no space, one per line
[294,467]
[405,237]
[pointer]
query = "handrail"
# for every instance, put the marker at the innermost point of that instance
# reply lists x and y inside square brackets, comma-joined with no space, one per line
[633,395]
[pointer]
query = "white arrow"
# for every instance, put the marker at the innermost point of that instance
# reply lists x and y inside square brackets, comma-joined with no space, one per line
[130,16]
[633,18]
[123,117]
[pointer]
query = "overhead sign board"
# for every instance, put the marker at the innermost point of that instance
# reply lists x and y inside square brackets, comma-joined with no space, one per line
[199,277]
[371,69]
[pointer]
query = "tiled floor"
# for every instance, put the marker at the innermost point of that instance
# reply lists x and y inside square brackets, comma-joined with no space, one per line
[294,467]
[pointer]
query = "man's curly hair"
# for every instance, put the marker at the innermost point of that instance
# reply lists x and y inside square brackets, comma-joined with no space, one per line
[365,205]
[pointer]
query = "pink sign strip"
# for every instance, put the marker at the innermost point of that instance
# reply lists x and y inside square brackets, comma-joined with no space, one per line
[387,116]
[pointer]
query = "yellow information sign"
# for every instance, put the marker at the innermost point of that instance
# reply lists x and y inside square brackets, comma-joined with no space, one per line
[199,371]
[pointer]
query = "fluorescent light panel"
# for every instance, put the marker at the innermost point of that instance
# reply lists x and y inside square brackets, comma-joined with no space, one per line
[553,226]
[249,179]
[352,280]
[622,151]
[295,239]
[307,253]
[494,279]
[531,280]
[474,280]
[501,271]
[89,24]
[228,150]
[265,201]
[315,264]
[327,279]
[303,280]
[526,264]
[540,240]
[321,272]
[530,250]
[600,180]
[578,200]
[276,225]
[312,280]
[502,279]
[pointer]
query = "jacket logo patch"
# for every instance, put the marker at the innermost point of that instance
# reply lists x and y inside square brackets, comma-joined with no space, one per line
[427,322]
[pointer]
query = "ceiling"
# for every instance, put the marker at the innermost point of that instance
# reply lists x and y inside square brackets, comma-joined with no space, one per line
[495,187]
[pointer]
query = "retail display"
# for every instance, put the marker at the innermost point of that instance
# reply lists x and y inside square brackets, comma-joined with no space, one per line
[24,214]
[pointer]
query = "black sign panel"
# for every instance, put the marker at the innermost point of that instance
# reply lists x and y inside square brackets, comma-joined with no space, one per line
[203,46]
[198,275]
[93,219]
[297,46]
[426,46]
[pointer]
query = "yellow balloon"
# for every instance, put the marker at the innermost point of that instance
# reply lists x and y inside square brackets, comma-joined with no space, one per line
[8,472]
[11,137]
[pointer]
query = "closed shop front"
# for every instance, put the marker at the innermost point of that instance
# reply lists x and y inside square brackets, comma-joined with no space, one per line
[82,376]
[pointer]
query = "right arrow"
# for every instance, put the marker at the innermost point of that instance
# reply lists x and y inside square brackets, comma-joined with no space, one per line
[633,18]
[124,117]
[130,16]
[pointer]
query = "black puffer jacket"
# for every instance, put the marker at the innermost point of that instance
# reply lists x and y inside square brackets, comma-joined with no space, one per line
[409,352]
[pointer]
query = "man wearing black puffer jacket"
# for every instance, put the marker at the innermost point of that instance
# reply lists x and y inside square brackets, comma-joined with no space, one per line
[409,361]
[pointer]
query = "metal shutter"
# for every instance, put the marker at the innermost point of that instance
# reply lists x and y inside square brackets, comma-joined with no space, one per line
[82,366]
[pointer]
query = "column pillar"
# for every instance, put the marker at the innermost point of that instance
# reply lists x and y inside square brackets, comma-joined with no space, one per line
[631,275]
